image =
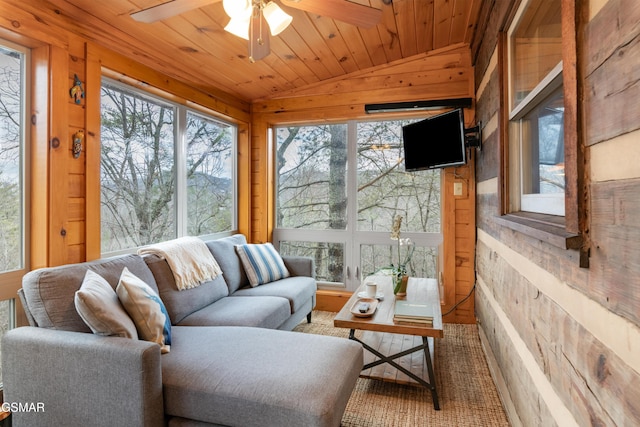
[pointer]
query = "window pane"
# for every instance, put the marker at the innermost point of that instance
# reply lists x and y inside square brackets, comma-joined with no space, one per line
[536,47]
[423,262]
[137,170]
[311,171]
[13,130]
[209,176]
[11,134]
[543,147]
[315,182]
[328,257]
[385,189]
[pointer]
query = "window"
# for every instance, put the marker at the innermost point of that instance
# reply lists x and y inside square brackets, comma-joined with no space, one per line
[13,188]
[536,110]
[311,169]
[339,188]
[166,171]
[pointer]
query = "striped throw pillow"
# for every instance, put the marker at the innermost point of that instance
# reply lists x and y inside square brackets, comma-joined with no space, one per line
[262,263]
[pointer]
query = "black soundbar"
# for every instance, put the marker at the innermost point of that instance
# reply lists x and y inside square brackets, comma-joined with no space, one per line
[418,105]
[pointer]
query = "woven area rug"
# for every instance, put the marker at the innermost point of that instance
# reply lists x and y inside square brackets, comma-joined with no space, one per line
[467,394]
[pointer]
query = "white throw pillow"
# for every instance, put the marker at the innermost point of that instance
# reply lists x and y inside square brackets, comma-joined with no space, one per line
[262,263]
[98,305]
[146,309]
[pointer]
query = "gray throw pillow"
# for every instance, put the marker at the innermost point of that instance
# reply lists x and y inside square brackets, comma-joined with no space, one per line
[98,305]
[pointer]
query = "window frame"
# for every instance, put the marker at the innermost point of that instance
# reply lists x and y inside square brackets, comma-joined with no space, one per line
[519,200]
[566,232]
[11,280]
[181,111]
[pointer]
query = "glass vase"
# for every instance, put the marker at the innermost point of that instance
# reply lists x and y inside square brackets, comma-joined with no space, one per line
[400,285]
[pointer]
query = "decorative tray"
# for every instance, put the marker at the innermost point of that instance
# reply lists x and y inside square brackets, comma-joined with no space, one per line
[373,304]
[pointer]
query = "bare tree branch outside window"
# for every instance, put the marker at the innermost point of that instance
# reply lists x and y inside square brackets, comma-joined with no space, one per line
[312,192]
[12,131]
[10,169]
[139,174]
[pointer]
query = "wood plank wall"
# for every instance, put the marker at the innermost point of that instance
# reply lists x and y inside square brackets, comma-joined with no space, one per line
[563,341]
[459,240]
[446,73]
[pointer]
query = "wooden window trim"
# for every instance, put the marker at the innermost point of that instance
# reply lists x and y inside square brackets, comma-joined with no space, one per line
[547,228]
[570,231]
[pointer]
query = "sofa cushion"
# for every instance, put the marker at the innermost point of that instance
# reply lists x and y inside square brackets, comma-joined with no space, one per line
[99,307]
[50,292]
[262,263]
[259,377]
[180,304]
[223,251]
[297,290]
[146,310]
[259,311]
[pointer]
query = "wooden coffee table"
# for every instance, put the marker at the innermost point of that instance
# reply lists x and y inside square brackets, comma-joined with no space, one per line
[378,329]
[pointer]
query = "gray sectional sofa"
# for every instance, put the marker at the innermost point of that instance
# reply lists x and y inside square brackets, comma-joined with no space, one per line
[233,360]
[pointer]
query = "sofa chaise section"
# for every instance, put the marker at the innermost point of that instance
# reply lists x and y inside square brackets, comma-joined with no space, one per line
[259,377]
[231,376]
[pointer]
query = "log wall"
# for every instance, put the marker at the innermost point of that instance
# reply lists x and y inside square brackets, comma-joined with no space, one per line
[563,340]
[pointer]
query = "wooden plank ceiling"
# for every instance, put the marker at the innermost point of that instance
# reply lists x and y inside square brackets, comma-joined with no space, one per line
[194,48]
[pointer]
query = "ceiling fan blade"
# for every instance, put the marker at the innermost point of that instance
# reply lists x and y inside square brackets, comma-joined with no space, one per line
[169,9]
[342,10]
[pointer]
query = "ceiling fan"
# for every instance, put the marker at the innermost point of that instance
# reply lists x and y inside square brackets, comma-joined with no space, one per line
[250,19]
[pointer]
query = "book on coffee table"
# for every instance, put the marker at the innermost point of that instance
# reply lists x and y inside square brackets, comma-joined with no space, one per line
[412,312]
[426,323]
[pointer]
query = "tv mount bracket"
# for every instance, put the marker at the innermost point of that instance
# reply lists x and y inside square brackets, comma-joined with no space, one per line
[473,137]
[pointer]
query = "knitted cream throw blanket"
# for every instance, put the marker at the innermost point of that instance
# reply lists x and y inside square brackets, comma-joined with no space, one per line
[189,259]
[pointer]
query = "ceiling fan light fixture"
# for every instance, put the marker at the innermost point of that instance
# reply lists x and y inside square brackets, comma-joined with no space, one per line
[277,18]
[238,9]
[238,27]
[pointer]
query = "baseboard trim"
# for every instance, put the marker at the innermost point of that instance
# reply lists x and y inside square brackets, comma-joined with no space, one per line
[328,300]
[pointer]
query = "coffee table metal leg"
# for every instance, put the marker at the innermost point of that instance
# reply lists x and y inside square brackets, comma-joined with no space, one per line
[432,378]
[389,359]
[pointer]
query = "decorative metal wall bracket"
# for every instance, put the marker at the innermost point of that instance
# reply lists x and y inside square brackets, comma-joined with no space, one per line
[76,92]
[473,136]
[77,143]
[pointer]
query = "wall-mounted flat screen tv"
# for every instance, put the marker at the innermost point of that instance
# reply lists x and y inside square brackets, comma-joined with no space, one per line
[436,142]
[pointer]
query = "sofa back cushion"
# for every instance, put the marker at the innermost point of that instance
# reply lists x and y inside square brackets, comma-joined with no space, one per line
[50,292]
[224,252]
[180,304]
